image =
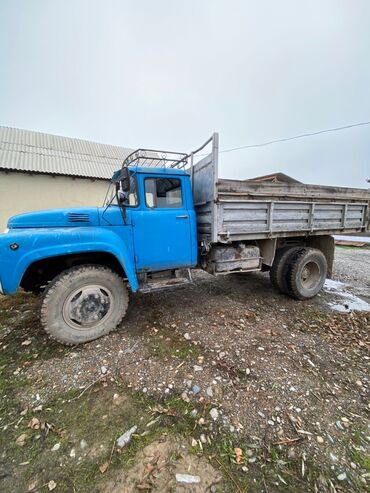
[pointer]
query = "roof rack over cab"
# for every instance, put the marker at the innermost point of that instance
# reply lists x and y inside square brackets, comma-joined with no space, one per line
[166,159]
[155,158]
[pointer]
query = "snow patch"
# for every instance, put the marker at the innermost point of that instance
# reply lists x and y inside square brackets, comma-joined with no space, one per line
[362,239]
[349,302]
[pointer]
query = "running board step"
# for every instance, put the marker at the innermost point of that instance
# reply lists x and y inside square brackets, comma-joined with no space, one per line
[159,284]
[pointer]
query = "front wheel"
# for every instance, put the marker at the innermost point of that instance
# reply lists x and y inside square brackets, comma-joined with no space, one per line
[83,303]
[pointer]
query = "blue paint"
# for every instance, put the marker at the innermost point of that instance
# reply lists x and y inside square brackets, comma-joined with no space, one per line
[151,239]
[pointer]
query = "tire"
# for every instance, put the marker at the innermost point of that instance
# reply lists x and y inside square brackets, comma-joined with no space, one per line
[306,273]
[83,303]
[279,268]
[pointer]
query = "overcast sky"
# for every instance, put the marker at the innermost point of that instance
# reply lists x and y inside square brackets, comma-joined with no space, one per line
[166,74]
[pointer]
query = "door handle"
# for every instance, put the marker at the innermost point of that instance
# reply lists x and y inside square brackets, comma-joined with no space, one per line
[182,217]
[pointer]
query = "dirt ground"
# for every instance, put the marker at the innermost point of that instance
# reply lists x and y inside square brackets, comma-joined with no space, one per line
[227,381]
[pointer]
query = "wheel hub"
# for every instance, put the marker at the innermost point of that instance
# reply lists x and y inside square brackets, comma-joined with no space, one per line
[87,307]
[305,274]
[310,275]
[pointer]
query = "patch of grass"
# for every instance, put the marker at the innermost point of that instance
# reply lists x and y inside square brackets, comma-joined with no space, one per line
[168,344]
[137,443]
[179,418]
[266,468]
[19,322]
[95,417]
[66,419]
[362,459]
[223,457]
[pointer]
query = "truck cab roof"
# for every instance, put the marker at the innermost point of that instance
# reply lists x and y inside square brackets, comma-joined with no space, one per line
[158,170]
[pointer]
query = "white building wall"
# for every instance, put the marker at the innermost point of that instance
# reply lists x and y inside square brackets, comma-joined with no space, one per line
[25,192]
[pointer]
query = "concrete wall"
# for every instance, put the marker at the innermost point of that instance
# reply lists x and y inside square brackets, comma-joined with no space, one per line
[24,192]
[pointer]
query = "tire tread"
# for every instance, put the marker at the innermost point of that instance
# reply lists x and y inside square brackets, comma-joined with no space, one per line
[278,269]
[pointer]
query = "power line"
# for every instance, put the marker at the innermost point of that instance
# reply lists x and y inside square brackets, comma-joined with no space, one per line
[300,136]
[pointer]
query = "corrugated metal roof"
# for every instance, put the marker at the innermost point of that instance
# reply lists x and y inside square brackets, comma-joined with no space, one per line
[25,150]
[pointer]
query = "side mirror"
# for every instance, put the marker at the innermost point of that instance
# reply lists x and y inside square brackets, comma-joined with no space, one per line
[125,180]
[123,197]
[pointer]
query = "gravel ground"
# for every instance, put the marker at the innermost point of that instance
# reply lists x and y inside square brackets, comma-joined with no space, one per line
[282,378]
[352,265]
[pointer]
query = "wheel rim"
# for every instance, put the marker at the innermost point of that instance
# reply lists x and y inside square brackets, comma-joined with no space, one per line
[310,275]
[87,307]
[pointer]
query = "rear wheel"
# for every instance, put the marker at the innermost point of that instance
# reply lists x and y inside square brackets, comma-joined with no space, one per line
[306,273]
[279,267]
[83,304]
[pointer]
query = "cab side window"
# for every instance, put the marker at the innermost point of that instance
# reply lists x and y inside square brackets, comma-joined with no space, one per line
[163,193]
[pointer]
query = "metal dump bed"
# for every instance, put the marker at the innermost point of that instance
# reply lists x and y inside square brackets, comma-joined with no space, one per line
[230,210]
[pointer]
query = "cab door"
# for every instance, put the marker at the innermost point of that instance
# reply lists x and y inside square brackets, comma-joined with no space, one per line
[162,226]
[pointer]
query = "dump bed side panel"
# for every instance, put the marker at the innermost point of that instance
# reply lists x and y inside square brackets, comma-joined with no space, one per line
[252,219]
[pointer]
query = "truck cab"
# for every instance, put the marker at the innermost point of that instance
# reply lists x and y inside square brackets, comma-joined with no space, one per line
[159,214]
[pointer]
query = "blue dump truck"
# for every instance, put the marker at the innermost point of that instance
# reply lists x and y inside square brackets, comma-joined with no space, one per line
[166,213]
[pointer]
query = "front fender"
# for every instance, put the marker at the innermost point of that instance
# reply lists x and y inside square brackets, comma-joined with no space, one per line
[37,244]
